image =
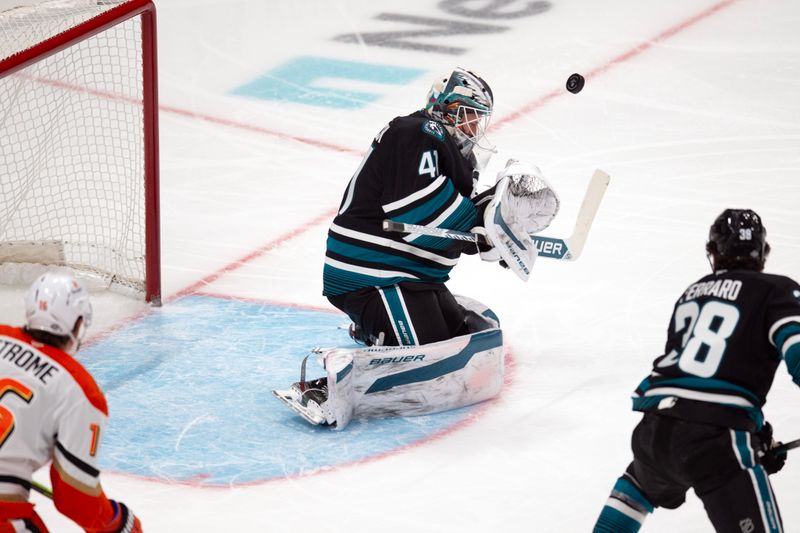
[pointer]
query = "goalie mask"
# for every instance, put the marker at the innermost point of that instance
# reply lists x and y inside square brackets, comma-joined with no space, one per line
[54,303]
[738,239]
[463,102]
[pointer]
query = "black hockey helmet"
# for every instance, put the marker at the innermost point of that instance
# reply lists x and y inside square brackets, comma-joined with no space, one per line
[738,239]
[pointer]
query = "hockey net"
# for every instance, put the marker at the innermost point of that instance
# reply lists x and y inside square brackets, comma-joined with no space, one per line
[78,143]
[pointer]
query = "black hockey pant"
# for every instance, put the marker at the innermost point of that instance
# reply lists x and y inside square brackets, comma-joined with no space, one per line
[406,313]
[673,455]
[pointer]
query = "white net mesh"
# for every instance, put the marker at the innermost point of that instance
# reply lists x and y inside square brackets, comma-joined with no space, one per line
[72,143]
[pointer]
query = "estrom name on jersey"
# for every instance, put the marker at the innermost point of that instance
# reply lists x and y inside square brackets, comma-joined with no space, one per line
[26,359]
[721,288]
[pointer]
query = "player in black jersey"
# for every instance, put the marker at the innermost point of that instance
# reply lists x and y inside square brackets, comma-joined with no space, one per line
[702,426]
[420,169]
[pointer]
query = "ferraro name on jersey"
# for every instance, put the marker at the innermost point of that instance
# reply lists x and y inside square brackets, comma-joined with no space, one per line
[728,334]
[412,173]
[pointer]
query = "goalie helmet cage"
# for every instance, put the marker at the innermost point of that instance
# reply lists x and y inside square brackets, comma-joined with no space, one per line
[79,184]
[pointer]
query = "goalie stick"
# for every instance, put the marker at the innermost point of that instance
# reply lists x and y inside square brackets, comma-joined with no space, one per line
[568,249]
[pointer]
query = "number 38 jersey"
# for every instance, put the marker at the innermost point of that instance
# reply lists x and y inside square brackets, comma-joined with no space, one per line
[728,333]
[50,409]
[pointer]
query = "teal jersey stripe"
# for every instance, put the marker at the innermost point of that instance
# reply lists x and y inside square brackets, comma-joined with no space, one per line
[428,208]
[769,509]
[744,451]
[792,355]
[397,315]
[646,404]
[337,281]
[699,384]
[359,253]
[613,521]
[792,358]
[784,333]
[462,219]
[625,487]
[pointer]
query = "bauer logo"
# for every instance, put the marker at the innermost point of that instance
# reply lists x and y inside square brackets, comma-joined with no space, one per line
[547,247]
[405,359]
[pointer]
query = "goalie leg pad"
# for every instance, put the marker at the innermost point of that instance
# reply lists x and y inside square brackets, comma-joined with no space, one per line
[387,381]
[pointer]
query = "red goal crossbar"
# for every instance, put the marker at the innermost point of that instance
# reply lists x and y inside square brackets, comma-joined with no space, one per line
[81,32]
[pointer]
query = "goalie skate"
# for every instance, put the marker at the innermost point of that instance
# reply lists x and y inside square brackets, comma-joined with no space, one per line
[308,399]
[309,408]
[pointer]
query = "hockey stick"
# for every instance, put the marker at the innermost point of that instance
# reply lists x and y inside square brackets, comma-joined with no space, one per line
[42,489]
[788,446]
[568,249]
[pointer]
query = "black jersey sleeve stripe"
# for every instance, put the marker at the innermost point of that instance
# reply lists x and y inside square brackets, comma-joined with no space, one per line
[78,463]
[16,481]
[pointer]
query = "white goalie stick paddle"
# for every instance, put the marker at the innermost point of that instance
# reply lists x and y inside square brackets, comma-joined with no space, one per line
[568,249]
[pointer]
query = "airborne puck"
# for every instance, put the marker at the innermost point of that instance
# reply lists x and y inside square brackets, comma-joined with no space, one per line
[575,83]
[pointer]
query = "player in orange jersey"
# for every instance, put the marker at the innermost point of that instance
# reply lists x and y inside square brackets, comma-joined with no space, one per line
[51,409]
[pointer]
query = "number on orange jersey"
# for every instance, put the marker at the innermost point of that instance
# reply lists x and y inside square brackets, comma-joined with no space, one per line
[6,416]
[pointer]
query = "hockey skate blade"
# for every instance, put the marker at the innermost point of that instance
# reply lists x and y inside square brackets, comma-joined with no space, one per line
[312,416]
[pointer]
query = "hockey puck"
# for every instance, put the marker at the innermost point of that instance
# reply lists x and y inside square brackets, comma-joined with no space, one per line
[575,83]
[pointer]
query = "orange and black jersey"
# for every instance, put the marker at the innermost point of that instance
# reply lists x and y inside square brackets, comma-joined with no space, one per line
[51,410]
[728,333]
[413,173]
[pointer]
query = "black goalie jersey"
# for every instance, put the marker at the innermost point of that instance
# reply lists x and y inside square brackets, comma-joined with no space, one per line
[728,333]
[412,173]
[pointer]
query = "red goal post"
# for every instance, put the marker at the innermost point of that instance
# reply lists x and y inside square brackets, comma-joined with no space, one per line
[79,172]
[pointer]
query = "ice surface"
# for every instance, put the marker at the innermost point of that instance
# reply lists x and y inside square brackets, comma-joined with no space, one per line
[690,106]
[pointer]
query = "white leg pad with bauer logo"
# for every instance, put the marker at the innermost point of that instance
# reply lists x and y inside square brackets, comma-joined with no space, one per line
[386,381]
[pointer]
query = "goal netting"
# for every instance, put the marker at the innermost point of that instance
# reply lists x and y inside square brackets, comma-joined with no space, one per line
[78,142]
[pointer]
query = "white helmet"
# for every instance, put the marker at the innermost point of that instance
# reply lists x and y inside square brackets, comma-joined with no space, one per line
[55,302]
[463,102]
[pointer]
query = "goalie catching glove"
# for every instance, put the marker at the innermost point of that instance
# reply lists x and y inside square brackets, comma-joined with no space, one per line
[524,202]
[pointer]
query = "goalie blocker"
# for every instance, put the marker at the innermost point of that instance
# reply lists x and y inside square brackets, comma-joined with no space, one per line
[387,381]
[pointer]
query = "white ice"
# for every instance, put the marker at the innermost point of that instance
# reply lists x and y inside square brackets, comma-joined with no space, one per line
[690,105]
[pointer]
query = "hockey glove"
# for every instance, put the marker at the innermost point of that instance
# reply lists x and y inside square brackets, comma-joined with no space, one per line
[771,457]
[529,196]
[486,249]
[124,520]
